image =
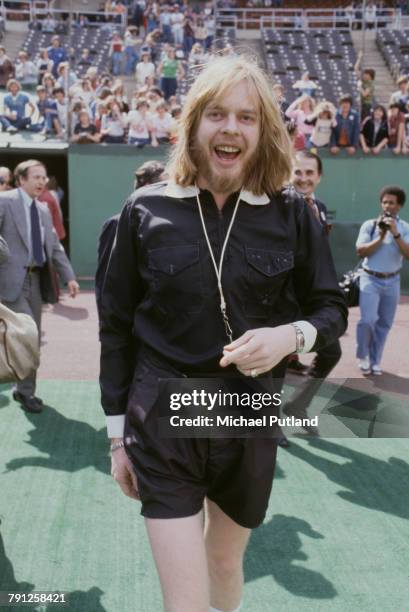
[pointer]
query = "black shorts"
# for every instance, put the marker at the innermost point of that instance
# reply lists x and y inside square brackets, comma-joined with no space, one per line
[175,475]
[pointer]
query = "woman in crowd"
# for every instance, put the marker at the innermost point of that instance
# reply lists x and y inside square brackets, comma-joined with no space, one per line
[169,71]
[145,68]
[141,130]
[44,64]
[396,121]
[113,124]
[300,110]
[374,131]
[162,124]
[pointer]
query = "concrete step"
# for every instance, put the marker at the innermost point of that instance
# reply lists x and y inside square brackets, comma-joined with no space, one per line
[384,82]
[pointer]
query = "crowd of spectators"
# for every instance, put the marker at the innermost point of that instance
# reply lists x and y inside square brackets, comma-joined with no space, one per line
[60,92]
[138,100]
[314,124]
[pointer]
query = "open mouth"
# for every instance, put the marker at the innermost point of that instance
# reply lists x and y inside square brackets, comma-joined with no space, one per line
[227,153]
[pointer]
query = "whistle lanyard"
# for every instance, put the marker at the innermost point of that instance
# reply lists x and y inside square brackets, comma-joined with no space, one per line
[218,269]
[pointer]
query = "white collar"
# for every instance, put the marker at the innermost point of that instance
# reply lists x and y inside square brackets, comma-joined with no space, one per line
[173,190]
[25,197]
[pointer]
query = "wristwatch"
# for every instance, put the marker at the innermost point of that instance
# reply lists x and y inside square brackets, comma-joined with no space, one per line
[299,338]
[397,236]
[117,445]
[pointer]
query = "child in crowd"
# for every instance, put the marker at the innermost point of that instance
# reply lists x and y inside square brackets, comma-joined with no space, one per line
[322,120]
[85,131]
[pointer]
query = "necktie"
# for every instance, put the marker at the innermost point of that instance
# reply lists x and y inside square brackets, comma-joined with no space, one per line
[312,205]
[36,242]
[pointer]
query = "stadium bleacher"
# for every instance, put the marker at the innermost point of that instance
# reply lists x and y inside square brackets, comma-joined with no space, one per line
[97,40]
[394,46]
[328,55]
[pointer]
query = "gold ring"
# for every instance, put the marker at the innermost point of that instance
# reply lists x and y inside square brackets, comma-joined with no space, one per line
[253,373]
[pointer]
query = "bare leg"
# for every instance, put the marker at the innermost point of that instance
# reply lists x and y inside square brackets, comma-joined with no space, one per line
[180,557]
[225,542]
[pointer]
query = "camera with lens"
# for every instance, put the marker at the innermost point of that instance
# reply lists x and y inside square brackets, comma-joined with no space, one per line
[384,227]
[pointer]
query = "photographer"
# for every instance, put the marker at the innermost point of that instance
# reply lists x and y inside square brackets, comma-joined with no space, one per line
[383,243]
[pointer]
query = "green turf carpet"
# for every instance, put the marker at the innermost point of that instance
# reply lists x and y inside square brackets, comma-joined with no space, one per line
[335,537]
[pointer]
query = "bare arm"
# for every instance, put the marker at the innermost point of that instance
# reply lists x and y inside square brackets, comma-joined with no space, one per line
[357,67]
[367,249]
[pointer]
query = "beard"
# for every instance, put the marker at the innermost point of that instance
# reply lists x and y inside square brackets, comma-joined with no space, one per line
[227,180]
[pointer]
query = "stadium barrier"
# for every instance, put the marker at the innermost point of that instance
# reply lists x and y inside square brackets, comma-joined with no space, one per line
[97,180]
[350,187]
[288,19]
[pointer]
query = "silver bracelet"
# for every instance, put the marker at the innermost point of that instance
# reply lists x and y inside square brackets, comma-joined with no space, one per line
[299,338]
[116,445]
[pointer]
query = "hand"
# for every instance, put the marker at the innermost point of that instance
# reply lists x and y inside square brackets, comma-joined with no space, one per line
[365,149]
[391,223]
[334,150]
[260,349]
[351,150]
[396,150]
[73,288]
[122,472]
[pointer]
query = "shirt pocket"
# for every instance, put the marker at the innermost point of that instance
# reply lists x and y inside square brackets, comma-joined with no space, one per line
[268,272]
[177,278]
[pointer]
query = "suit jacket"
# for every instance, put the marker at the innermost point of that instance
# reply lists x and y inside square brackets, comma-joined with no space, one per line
[4,250]
[13,228]
[322,209]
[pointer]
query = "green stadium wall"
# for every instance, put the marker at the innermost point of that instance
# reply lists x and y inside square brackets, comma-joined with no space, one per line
[100,179]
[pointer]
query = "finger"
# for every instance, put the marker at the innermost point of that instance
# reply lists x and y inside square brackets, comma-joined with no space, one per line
[242,352]
[127,485]
[239,354]
[239,341]
[256,357]
[128,490]
[134,482]
[253,372]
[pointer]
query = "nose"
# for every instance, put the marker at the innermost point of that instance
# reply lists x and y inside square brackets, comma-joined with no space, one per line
[231,125]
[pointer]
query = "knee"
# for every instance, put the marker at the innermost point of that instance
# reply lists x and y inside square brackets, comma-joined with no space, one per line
[367,321]
[224,566]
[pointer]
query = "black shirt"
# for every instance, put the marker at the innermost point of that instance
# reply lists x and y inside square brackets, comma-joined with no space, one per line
[160,288]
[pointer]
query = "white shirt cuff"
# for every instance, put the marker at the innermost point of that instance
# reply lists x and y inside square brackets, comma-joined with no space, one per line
[115,426]
[310,335]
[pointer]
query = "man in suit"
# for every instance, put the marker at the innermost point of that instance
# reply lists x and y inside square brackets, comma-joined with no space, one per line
[27,278]
[307,175]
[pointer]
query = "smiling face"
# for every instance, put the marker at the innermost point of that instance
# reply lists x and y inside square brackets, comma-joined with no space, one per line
[305,175]
[226,139]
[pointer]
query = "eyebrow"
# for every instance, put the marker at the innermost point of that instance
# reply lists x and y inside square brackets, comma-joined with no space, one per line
[246,111]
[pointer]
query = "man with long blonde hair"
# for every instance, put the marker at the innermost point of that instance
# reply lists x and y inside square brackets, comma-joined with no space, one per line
[217,272]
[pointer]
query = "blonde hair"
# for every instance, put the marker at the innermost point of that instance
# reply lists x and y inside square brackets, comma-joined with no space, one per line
[272,165]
